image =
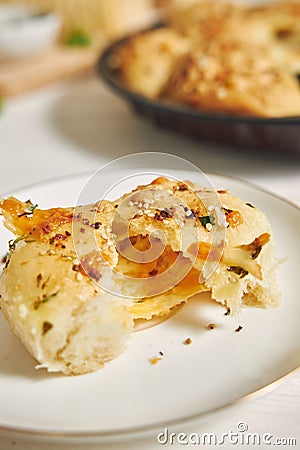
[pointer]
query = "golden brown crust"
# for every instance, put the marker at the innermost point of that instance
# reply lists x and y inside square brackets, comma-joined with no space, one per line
[236,78]
[220,57]
[206,19]
[61,228]
[145,61]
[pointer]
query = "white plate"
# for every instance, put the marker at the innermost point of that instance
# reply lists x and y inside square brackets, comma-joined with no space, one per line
[130,396]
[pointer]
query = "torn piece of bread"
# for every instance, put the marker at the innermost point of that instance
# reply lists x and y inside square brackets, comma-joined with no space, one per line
[238,267]
[48,296]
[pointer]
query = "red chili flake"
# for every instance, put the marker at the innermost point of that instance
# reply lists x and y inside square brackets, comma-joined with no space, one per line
[46,228]
[60,237]
[153,272]
[161,353]
[93,273]
[227,312]
[39,279]
[4,259]
[82,230]
[68,233]
[76,216]
[182,187]
[57,237]
[96,225]
[239,328]
[86,269]
[75,267]
[45,283]
[227,211]
[222,191]
[164,214]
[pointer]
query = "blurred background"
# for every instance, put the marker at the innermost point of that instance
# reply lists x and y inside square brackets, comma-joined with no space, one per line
[52,95]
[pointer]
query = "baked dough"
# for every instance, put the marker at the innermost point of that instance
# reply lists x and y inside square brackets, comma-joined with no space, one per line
[236,78]
[207,20]
[220,57]
[238,267]
[159,245]
[145,61]
[50,298]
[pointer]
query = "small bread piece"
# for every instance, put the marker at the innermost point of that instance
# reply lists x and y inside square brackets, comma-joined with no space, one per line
[48,296]
[235,78]
[249,239]
[145,61]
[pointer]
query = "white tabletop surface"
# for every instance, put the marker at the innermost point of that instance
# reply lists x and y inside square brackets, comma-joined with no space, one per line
[78,126]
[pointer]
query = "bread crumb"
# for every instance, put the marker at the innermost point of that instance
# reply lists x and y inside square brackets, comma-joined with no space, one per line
[188,341]
[227,312]
[212,326]
[155,360]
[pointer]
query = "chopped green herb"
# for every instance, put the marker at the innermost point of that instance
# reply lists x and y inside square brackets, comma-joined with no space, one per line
[13,242]
[46,327]
[78,39]
[29,210]
[44,299]
[207,219]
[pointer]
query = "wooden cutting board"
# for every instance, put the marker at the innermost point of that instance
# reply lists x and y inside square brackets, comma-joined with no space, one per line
[23,74]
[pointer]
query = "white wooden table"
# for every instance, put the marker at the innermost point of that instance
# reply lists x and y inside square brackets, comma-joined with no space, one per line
[79,126]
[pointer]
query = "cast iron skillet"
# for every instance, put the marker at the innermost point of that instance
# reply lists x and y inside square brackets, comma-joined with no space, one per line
[281,135]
